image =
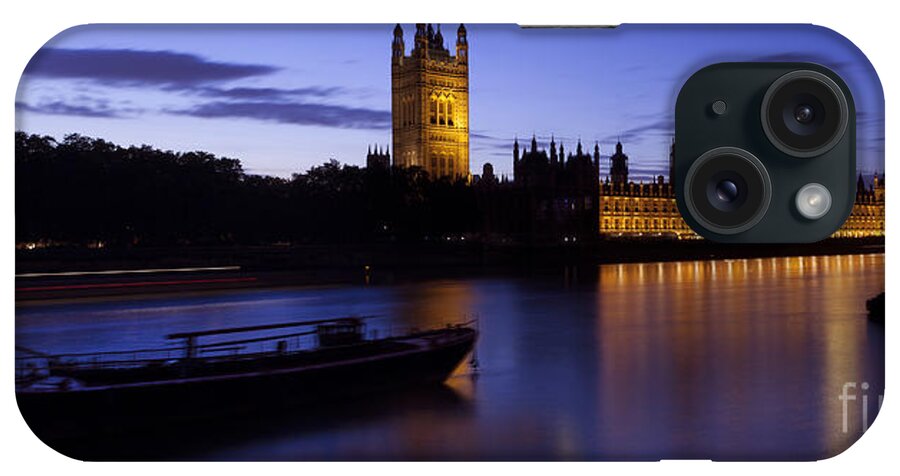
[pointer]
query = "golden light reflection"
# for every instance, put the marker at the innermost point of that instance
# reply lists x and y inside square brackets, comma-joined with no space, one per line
[748,332]
[438,304]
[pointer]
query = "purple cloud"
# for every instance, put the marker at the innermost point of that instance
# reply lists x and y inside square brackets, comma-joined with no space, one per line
[294,113]
[59,108]
[660,128]
[268,94]
[137,67]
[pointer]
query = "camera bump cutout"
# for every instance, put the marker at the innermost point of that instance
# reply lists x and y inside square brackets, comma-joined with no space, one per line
[766,152]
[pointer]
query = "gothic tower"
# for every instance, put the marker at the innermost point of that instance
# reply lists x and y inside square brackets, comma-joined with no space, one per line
[618,169]
[430,102]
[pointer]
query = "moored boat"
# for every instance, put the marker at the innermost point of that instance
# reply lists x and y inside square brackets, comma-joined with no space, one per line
[65,395]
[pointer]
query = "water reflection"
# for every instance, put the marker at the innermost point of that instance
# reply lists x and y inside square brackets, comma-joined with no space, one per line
[707,359]
[738,359]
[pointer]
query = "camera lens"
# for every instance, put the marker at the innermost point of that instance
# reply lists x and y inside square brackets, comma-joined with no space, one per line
[727,190]
[804,113]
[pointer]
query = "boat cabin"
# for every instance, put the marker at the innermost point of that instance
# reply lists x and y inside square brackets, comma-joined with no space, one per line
[345,331]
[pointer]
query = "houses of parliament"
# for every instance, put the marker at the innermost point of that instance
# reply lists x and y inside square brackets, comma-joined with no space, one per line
[628,209]
[552,197]
[648,210]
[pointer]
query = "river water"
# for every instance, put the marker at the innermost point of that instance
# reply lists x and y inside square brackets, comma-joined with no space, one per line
[698,359]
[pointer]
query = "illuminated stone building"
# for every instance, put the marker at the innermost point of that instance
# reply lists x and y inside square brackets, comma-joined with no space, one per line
[639,210]
[867,217]
[430,102]
[558,198]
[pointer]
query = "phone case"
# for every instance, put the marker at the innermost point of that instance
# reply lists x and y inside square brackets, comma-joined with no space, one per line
[408,242]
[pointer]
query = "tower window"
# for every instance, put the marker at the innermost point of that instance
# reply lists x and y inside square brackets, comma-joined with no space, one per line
[450,111]
[404,113]
[433,112]
[410,115]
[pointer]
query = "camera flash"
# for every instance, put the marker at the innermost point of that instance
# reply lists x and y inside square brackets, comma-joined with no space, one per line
[813,201]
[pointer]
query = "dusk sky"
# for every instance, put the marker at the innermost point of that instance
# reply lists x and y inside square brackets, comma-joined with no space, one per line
[284,98]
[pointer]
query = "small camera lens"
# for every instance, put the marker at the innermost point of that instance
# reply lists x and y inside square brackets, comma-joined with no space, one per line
[805,113]
[727,190]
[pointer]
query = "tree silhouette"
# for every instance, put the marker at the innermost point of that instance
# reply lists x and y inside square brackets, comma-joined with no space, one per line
[83,190]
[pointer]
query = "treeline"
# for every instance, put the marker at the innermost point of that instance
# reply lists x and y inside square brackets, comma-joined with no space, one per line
[82,190]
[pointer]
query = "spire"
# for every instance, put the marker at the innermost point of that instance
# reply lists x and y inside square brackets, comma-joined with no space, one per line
[618,166]
[462,44]
[533,143]
[420,47]
[578,151]
[553,156]
[439,38]
[516,149]
[397,46]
